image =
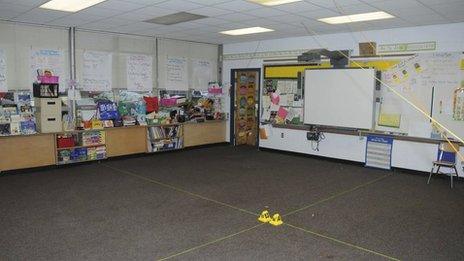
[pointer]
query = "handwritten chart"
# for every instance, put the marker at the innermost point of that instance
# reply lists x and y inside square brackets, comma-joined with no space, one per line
[202,73]
[48,59]
[139,72]
[97,71]
[176,73]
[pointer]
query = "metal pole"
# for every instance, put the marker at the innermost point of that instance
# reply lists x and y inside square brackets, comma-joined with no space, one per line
[72,67]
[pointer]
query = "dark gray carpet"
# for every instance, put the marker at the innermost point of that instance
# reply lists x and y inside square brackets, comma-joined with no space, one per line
[92,211]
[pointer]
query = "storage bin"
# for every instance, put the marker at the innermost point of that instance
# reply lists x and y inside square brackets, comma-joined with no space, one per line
[48,106]
[45,90]
[49,123]
[48,79]
[65,142]
[167,102]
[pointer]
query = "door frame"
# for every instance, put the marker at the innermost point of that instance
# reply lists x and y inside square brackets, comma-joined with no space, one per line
[232,102]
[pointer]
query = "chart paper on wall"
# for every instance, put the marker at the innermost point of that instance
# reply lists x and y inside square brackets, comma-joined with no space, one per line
[176,73]
[139,69]
[48,59]
[97,71]
[202,73]
[3,82]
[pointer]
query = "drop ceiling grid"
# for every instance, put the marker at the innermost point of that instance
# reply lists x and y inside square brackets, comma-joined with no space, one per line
[127,16]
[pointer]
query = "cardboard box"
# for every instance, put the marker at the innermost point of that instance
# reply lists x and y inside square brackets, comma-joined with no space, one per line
[367,49]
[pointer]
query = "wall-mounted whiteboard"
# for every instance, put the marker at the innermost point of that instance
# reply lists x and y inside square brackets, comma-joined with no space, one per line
[340,97]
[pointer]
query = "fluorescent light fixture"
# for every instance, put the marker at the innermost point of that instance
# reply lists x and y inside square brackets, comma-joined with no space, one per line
[356,18]
[70,5]
[274,2]
[249,30]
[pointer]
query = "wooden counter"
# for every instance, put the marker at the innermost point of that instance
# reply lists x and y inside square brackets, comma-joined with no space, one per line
[196,134]
[21,152]
[126,140]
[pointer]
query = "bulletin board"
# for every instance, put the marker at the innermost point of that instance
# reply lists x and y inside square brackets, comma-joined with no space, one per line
[429,81]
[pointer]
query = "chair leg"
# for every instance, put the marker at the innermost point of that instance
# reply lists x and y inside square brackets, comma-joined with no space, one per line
[456,172]
[451,175]
[431,172]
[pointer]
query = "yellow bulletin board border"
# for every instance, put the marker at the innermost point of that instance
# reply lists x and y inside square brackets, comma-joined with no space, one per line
[290,71]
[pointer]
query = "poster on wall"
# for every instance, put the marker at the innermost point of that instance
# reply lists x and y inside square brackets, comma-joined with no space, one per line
[202,73]
[3,83]
[176,73]
[48,59]
[97,71]
[139,69]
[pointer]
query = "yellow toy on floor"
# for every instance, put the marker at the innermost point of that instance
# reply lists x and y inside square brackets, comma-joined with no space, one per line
[264,217]
[276,220]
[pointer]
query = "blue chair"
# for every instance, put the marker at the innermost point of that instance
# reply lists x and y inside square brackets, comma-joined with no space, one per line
[446,159]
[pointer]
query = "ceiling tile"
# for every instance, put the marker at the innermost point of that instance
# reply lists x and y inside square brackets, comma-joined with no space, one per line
[265,12]
[179,5]
[237,17]
[297,7]
[334,3]
[238,6]
[210,11]
[38,15]
[119,5]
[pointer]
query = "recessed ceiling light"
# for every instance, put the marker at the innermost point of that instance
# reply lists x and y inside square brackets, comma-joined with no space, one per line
[356,18]
[274,2]
[176,18]
[70,5]
[249,30]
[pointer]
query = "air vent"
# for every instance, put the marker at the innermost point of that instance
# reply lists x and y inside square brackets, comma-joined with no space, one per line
[176,18]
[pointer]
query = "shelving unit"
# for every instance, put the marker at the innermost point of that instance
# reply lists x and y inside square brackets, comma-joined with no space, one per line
[80,146]
[165,137]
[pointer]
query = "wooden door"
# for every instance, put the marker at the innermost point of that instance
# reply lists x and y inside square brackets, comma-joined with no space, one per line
[246,101]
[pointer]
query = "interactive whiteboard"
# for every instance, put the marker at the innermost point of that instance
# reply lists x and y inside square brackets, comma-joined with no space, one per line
[340,97]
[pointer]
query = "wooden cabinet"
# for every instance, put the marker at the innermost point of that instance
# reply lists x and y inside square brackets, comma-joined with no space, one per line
[21,152]
[196,134]
[126,140]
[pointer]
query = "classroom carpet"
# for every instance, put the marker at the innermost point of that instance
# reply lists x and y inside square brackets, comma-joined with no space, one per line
[203,204]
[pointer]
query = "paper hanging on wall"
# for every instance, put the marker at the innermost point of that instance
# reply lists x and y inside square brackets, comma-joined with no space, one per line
[202,73]
[389,120]
[139,69]
[3,82]
[282,113]
[176,73]
[48,59]
[97,71]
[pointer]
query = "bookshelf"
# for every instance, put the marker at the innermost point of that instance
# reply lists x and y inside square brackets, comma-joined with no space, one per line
[80,146]
[165,137]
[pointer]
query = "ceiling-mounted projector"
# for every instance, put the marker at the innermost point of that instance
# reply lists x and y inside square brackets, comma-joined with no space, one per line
[338,59]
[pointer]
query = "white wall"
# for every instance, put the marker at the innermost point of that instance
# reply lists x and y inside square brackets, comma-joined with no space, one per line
[408,155]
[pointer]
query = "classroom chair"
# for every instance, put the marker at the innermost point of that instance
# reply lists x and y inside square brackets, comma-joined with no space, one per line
[446,159]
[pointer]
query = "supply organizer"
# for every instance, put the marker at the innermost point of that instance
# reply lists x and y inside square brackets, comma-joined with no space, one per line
[164,137]
[80,146]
